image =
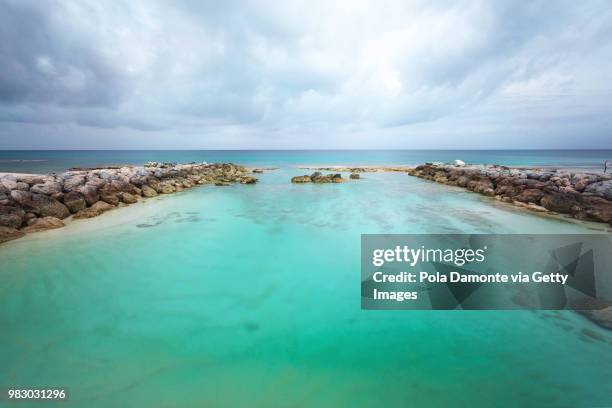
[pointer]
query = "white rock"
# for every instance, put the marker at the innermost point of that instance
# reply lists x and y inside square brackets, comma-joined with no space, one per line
[459,163]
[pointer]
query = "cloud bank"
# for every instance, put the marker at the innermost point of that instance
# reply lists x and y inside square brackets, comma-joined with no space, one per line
[316,74]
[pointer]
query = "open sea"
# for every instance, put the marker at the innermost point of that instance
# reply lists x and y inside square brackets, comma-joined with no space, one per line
[249,295]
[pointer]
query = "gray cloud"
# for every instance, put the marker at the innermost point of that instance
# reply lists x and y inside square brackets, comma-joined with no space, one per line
[303,74]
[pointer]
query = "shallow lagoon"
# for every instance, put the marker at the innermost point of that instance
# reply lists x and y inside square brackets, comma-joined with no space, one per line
[250,296]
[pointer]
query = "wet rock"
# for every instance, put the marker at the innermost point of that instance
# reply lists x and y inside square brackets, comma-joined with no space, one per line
[337,178]
[596,209]
[248,180]
[167,188]
[301,179]
[530,195]
[109,198]
[95,210]
[74,201]
[9,234]
[11,216]
[128,198]
[148,191]
[559,203]
[354,176]
[44,223]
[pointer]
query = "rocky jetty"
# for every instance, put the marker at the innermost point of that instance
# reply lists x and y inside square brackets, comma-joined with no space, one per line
[30,203]
[318,177]
[363,169]
[584,196]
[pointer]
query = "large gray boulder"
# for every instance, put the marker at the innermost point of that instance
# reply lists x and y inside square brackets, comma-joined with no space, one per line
[602,189]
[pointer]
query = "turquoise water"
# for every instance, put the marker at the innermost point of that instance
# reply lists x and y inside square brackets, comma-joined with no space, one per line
[250,296]
[33,161]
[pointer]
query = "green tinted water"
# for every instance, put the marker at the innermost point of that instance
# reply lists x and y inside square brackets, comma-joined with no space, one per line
[250,296]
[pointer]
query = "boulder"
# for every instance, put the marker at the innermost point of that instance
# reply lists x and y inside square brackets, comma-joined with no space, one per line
[93,211]
[123,187]
[73,183]
[90,193]
[22,198]
[459,163]
[248,180]
[559,202]
[9,183]
[301,179]
[148,191]
[74,201]
[8,234]
[48,207]
[602,189]
[530,195]
[167,188]
[354,176]
[10,216]
[23,186]
[337,178]
[48,188]
[596,208]
[129,198]
[44,223]
[109,198]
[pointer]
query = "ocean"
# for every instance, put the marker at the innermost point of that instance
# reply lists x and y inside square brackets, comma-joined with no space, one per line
[43,161]
[249,295]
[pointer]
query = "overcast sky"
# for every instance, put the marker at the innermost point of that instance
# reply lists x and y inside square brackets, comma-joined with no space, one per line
[309,74]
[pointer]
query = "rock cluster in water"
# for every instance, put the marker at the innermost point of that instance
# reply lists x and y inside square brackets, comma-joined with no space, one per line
[584,196]
[31,203]
[318,177]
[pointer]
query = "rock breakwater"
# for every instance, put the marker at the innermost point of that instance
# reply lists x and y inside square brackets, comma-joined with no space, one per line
[318,177]
[30,203]
[584,196]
